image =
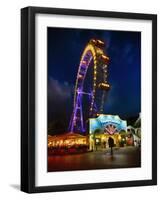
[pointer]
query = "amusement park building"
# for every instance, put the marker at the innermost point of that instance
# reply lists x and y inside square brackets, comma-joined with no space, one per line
[105,126]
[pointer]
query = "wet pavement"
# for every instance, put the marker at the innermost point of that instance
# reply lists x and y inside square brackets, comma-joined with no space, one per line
[124,157]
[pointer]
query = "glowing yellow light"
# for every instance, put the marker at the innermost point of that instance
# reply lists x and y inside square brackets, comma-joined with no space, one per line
[80,76]
[119,137]
[101,42]
[83,62]
[97,140]
[105,57]
[103,137]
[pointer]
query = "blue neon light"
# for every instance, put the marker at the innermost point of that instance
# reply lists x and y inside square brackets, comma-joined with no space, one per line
[104,120]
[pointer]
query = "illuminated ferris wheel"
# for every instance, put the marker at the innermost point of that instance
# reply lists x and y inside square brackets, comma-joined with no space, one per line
[91,85]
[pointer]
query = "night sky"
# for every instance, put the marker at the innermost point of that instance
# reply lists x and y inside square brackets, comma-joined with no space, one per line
[65,47]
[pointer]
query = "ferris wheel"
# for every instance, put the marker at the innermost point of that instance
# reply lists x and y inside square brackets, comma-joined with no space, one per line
[91,85]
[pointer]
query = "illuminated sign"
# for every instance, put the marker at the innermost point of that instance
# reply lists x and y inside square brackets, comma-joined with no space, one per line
[109,124]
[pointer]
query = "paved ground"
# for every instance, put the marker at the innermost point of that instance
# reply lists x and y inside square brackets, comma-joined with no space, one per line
[122,158]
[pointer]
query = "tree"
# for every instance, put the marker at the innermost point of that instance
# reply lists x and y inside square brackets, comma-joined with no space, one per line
[97,131]
[122,132]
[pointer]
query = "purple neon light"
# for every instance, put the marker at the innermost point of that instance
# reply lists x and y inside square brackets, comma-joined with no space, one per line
[76,122]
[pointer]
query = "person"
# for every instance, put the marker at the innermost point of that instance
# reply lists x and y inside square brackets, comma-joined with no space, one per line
[111,144]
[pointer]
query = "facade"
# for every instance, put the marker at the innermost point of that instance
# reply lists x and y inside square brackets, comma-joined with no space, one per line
[105,126]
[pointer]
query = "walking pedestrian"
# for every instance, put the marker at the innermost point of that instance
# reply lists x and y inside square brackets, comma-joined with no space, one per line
[111,144]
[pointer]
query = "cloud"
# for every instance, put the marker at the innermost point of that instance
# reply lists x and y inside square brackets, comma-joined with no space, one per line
[57,90]
[60,100]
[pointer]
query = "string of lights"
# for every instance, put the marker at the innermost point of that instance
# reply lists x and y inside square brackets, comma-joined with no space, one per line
[94,50]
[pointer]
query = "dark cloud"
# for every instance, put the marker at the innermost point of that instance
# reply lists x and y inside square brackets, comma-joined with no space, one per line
[59,103]
[57,90]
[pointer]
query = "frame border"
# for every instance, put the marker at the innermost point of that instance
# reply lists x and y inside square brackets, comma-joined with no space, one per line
[28,98]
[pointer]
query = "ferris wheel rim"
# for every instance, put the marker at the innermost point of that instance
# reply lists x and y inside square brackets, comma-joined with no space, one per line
[91,49]
[90,52]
